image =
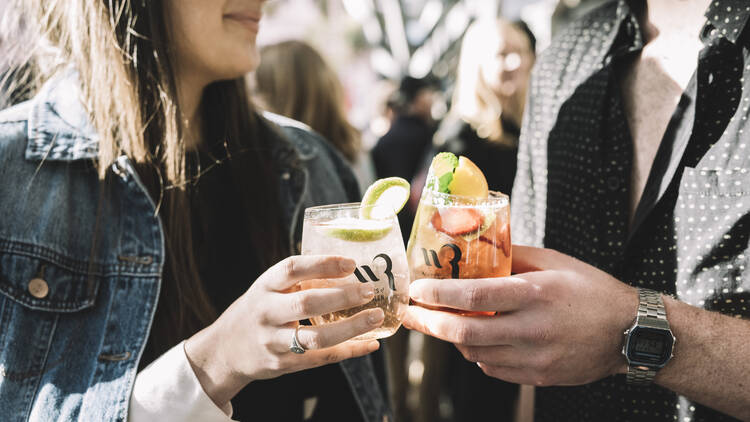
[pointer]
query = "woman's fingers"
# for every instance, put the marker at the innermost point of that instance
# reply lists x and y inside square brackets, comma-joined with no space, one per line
[348,350]
[316,337]
[290,271]
[315,302]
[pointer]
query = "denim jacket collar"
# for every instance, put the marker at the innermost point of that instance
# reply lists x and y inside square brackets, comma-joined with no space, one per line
[60,127]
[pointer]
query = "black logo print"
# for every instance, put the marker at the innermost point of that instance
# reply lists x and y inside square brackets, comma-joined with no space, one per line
[453,262]
[388,272]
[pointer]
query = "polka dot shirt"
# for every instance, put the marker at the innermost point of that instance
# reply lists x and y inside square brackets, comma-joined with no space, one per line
[691,231]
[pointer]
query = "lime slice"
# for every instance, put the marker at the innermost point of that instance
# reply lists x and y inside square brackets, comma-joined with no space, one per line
[384,198]
[357,230]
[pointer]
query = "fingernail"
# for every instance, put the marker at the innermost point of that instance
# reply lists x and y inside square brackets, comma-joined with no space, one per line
[373,346]
[367,291]
[347,265]
[376,317]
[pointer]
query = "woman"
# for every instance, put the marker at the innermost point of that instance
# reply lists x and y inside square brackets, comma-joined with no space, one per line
[295,81]
[139,174]
[484,120]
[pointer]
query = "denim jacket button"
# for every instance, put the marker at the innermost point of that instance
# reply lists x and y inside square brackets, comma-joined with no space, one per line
[38,288]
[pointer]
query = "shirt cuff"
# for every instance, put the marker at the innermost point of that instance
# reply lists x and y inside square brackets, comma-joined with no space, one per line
[167,390]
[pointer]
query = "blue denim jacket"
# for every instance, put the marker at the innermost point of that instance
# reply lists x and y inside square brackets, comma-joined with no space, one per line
[75,316]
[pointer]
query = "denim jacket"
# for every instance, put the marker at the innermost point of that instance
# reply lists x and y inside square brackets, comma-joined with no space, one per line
[75,316]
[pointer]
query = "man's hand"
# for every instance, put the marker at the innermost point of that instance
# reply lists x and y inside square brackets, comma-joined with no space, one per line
[560,321]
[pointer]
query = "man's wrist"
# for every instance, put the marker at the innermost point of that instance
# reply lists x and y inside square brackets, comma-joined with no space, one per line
[626,313]
[649,342]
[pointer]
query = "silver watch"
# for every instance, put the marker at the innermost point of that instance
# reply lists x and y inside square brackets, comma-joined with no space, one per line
[649,343]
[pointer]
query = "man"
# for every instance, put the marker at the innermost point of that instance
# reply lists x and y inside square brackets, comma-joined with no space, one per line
[634,160]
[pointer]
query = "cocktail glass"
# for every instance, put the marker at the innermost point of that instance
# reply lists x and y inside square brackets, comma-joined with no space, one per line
[375,244]
[460,237]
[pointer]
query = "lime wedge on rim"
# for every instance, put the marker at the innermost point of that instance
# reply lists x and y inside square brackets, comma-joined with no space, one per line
[357,229]
[384,196]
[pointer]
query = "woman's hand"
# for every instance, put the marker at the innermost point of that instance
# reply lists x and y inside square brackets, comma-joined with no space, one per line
[251,339]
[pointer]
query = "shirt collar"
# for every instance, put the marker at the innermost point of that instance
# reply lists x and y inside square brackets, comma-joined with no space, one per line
[625,35]
[727,19]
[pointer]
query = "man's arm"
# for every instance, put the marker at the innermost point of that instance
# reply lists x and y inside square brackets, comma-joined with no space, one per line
[561,322]
[711,364]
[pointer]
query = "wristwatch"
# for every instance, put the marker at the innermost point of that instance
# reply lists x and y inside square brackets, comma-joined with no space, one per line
[649,343]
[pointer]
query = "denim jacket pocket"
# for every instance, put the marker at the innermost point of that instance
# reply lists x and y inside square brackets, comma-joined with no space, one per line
[42,285]
[44,303]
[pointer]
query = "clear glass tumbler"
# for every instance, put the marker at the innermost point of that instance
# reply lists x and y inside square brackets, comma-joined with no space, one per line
[378,249]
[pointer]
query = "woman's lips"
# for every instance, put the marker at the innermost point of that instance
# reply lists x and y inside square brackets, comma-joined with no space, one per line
[249,21]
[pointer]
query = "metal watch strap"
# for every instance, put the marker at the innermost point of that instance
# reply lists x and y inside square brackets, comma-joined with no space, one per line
[650,305]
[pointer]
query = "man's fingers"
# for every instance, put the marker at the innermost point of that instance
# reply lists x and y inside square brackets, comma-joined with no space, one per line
[466,330]
[293,269]
[315,302]
[505,355]
[527,259]
[510,374]
[491,294]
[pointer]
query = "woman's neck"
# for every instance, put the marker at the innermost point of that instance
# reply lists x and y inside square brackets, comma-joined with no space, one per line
[190,91]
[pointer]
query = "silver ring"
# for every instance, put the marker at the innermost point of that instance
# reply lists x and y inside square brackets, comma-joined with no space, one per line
[296,347]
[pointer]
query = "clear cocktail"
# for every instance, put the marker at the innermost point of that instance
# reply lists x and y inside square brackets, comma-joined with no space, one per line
[375,244]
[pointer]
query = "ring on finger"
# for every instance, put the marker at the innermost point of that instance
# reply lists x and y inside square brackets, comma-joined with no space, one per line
[296,347]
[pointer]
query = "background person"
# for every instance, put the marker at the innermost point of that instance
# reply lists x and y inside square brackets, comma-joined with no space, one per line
[295,81]
[632,164]
[140,175]
[484,119]
[399,152]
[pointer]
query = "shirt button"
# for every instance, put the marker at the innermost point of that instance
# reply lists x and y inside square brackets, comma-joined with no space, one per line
[38,288]
[613,183]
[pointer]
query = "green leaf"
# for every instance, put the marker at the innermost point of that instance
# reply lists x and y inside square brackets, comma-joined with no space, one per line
[444,181]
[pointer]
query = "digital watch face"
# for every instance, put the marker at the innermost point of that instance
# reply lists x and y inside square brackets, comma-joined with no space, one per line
[649,346]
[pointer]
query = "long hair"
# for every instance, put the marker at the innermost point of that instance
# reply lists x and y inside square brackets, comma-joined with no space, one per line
[122,52]
[473,99]
[295,81]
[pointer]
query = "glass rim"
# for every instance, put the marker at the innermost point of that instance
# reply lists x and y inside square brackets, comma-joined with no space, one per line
[494,199]
[346,206]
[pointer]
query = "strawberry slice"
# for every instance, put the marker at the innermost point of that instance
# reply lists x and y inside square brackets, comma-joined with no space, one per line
[498,236]
[457,221]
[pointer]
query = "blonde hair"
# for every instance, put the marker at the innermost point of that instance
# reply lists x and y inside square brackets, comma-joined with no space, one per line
[473,100]
[294,80]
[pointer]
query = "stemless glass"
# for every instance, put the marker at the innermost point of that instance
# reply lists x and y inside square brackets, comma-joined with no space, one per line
[460,237]
[378,249]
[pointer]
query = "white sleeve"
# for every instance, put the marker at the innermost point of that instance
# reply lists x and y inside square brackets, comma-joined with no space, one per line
[167,390]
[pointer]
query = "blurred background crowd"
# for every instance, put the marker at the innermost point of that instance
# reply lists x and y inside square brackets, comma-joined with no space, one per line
[389,83]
